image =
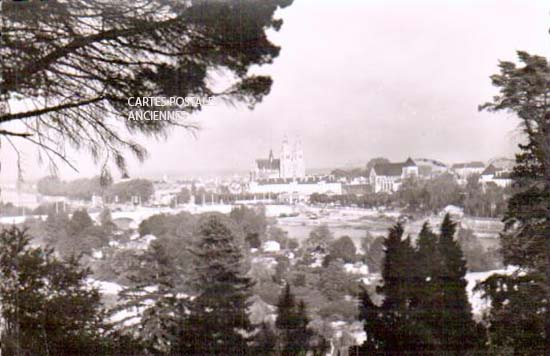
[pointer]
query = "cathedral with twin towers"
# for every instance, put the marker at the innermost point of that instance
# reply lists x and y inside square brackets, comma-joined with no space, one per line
[289,165]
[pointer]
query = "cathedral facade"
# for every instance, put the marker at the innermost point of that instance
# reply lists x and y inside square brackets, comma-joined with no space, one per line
[290,164]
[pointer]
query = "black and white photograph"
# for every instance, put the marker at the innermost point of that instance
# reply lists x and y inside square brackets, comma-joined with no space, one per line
[274,177]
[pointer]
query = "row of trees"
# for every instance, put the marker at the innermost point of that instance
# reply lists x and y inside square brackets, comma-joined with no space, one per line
[75,235]
[425,308]
[85,188]
[49,308]
[432,195]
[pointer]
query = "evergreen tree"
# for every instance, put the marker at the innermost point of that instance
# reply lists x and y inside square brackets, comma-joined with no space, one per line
[302,335]
[402,332]
[265,341]
[47,308]
[515,320]
[428,262]
[425,308]
[524,90]
[391,327]
[396,271]
[427,295]
[218,323]
[152,296]
[292,322]
[459,332]
[286,320]
[80,220]
[285,310]
[374,326]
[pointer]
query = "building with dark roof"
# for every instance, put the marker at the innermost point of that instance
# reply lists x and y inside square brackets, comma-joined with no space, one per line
[387,177]
[465,170]
[268,168]
[500,177]
[489,171]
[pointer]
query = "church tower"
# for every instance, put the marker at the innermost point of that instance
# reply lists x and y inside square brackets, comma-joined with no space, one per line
[286,159]
[299,166]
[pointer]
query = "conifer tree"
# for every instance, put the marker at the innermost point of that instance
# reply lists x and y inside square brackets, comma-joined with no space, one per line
[523,299]
[518,320]
[374,326]
[391,328]
[286,320]
[459,332]
[285,309]
[46,306]
[265,341]
[152,296]
[427,286]
[292,322]
[302,336]
[425,308]
[80,220]
[402,332]
[396,270]
[218,323]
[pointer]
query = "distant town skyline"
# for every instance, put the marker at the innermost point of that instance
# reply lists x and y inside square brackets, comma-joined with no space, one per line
[386,78]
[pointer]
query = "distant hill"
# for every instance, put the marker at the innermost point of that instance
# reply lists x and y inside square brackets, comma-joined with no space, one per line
[430,162]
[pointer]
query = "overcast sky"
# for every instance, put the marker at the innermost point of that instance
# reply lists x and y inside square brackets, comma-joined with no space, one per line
[360,79]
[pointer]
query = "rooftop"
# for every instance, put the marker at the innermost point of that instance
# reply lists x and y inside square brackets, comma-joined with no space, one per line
[271,164]
[490,170]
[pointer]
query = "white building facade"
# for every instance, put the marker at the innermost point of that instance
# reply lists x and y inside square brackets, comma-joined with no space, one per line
[292,160]
[388,177]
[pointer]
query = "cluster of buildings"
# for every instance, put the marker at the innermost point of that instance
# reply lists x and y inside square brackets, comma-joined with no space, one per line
[492,174]
[285,178]
[388,177]
[290,165]
[286,175]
